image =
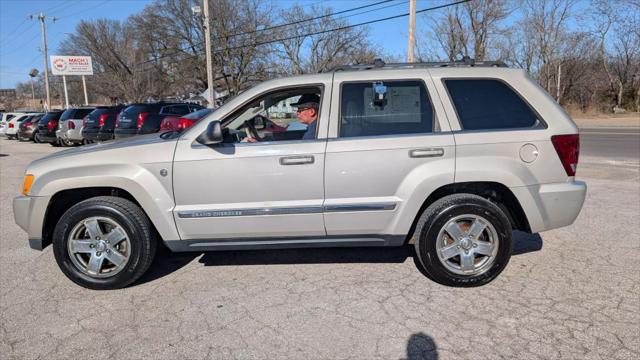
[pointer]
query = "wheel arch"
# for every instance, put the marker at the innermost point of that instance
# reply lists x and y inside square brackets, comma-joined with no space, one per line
[63,200]
[495,192]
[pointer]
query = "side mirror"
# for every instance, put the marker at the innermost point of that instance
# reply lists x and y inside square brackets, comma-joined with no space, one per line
[212,135]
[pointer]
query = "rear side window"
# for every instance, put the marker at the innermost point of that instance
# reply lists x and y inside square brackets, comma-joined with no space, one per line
[135,109]
[484,104]
[385,108]
[50,116]
[176,110]
[81,113]
[67,114]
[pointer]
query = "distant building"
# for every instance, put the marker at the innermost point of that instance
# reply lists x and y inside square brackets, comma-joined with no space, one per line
[8,93]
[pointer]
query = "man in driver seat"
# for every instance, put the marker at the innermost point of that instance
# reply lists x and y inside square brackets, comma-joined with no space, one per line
[307,113]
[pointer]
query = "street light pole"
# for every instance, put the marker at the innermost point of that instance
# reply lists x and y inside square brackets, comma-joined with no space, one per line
[211,96]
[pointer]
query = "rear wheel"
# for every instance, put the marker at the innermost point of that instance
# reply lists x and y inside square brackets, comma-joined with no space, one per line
[463,240]
[36,137]
[55,143]
[104,243]
[65,142]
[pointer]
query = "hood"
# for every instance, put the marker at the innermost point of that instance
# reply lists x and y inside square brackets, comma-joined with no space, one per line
[132,143]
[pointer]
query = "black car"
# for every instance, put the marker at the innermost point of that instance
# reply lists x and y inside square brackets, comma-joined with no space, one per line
[100,124]
[138,119]
[28,128]
[47,127]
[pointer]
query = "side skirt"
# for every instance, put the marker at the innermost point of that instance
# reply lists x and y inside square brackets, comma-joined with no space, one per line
[284,243]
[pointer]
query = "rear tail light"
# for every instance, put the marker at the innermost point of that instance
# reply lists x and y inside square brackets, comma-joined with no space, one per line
[568,149]
[71,125]
[84,120]
[141,118]
[102,119]
[51,124]
[184,123]
[118,120]
[28,123]
[10,125]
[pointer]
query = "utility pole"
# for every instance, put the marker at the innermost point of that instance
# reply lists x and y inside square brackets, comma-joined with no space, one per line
[211,92]
[41,17]
[412,30]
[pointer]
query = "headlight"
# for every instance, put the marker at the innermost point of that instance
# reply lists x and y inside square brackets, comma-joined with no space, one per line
[26,186]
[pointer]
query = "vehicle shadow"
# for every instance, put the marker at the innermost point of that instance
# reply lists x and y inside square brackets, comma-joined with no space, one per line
[167,262]
[421,347]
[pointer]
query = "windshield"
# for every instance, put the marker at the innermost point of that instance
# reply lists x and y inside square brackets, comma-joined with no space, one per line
[198,114]
[67,114]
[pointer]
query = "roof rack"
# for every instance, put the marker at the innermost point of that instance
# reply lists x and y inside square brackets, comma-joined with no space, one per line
[379,64]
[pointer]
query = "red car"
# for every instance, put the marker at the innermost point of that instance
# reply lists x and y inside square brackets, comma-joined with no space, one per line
[180,123]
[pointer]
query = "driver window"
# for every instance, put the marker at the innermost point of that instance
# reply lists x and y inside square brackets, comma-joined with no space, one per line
[285,115]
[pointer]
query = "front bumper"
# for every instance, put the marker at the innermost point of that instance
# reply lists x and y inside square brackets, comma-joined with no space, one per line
[551,206]
[29,213]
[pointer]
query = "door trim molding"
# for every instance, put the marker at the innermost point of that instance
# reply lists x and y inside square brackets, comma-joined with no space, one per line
[209,213]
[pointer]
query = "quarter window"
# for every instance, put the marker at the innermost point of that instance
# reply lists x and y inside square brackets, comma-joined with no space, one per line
[483,104]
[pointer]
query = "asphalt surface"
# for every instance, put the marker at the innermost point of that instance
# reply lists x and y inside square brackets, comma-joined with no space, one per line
[567,293]
[612,143]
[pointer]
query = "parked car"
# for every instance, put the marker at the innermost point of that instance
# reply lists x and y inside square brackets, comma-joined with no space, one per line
[47,127]
[12,126]
[69,130]
[138,119]
[448,158]
[4,122]
[29,128]
[179,123]
[100,124]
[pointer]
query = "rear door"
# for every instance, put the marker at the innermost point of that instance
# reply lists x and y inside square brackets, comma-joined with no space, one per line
[389,147]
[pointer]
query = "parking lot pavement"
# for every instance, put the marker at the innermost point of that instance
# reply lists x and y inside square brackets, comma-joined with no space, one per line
[568,293]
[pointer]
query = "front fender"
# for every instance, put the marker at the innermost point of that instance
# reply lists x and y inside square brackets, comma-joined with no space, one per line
[150,189]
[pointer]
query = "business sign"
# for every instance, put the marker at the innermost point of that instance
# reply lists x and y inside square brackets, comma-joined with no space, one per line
[71,65]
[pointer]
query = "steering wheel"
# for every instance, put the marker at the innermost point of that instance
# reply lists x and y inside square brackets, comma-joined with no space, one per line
[251,126]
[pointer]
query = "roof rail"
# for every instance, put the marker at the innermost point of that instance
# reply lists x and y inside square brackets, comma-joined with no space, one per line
[379,64]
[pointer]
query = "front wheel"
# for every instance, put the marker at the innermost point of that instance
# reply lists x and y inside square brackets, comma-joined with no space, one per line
[104,243]
[463,240]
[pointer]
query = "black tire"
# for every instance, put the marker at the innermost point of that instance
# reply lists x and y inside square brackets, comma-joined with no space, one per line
[132,219]
[436,216]
[36,137]
[55,143]
[65,142]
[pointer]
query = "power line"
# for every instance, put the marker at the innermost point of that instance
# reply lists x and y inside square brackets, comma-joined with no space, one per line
[84,10]
[7,39]
[199,44]
[305,35]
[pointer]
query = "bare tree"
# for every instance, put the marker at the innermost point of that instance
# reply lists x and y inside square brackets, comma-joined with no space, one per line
[302,51]
[465,30]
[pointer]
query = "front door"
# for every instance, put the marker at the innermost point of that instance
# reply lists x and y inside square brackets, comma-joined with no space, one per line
[264,185]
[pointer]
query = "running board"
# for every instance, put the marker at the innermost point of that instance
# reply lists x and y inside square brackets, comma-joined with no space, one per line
[283,243]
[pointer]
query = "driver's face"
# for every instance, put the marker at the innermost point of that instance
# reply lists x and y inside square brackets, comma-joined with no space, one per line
[307,115]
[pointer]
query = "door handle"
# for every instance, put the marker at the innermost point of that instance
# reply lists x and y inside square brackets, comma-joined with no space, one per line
[297,160]
[427,152]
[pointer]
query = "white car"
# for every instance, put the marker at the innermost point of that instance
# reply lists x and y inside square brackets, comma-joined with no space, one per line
[13,125]
[69,130]
[4,122]
[448,157]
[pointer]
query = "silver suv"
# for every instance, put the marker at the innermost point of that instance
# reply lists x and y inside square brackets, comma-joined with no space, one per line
[449,157]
